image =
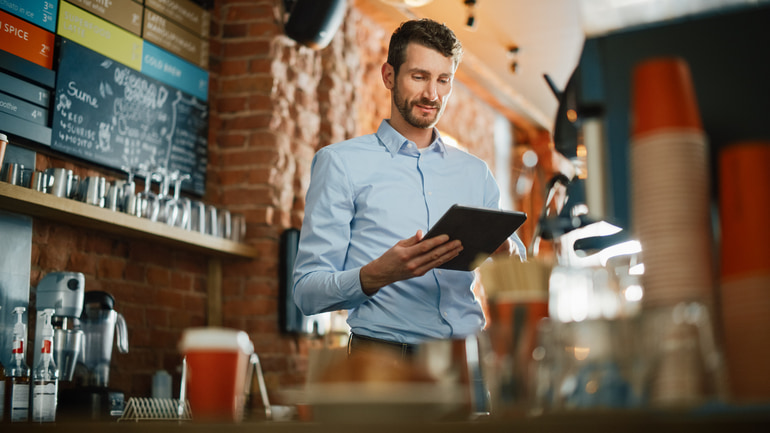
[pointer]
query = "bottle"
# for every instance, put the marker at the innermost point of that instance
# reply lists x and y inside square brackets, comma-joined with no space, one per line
[45,375]
[17,374]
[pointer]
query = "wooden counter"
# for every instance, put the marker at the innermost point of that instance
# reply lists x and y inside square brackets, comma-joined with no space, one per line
[611,422]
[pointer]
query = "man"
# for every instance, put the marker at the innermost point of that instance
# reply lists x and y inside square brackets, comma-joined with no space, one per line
[371,199]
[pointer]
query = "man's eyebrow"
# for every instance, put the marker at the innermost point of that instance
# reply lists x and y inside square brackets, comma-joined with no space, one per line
[426,72]
[418,71]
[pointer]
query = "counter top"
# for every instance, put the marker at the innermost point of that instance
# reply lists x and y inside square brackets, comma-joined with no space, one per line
[749,420]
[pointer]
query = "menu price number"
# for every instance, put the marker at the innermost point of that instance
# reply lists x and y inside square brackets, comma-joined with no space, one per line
[48,10]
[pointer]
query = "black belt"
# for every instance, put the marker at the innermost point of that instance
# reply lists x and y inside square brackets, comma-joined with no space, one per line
[361,343]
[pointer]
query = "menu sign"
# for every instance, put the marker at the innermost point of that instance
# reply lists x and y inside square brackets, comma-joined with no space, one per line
[122,46]
[99,35]
[24,90]
[40,12]
[111,114]
[170,69]
[164,33]
[23,110]
[184,12]
[26,40]
[124,13]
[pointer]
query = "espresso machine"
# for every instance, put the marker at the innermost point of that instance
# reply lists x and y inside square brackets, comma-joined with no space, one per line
[102,328]
[64,293]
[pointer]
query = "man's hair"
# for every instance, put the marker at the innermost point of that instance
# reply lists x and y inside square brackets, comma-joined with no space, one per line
[427,33]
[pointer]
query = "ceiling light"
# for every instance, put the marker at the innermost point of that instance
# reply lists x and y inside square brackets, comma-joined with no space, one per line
[471,21]
[513,52]
[408,3]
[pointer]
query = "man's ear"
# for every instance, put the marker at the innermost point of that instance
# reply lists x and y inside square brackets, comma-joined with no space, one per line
[388,75]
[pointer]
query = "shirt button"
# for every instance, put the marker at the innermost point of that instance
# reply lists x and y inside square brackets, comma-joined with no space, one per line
[445,314]
[430,193]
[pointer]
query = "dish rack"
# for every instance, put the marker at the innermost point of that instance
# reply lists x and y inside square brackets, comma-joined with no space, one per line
[156,409]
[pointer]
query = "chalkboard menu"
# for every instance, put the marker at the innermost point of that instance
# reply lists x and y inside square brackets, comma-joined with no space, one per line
[113,115]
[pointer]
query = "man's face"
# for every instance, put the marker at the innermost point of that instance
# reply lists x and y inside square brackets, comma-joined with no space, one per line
[423,86]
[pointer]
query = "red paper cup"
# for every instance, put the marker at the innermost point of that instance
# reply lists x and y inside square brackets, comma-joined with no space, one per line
[217,365]
[744,192]
[663,97]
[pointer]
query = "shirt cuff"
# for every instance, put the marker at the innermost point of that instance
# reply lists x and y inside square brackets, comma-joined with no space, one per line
[350,282]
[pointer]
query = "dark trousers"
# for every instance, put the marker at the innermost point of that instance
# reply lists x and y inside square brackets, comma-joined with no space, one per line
[361,343]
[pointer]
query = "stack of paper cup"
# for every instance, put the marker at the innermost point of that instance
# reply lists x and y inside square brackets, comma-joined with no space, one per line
[744,204]
[670,184]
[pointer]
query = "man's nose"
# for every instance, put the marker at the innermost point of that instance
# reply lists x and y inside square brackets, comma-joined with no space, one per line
[431,91]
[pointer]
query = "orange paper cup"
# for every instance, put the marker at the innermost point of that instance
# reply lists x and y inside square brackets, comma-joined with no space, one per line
[217,364]
[663,97]
[744,204]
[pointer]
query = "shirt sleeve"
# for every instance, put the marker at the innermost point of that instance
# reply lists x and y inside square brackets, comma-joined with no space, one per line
[321,282]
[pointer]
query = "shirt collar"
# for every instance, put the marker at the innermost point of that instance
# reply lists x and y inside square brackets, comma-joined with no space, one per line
[394,141]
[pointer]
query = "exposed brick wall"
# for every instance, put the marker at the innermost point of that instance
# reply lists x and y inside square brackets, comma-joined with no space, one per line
[273,103]
[160,291]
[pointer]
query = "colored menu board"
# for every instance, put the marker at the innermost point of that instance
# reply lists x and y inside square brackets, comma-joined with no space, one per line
[184,12]
[99,35]
[125,13]
[122,46]
[165,67]
[23,110]
[26,40]
[174,38]
[114,115]
[40,12]
[25,90]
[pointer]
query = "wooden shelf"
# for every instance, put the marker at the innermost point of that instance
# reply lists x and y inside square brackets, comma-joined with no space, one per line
[27,201]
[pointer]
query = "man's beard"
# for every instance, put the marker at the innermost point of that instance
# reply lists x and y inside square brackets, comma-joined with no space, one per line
[405,108]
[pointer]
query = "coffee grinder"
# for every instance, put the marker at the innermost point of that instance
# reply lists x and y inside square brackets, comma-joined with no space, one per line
[63,292]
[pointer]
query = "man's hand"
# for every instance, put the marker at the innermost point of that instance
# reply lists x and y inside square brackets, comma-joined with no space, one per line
[409,258]
[505,249]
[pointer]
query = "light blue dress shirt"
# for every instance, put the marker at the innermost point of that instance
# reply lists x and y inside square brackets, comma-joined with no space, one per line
[365,195]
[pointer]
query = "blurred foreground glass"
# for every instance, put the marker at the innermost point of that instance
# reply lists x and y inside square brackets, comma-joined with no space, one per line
[683,364]
[517,301]
[596,352]
[218,364]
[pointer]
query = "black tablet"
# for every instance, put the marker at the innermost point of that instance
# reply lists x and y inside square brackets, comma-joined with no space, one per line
[480,230]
